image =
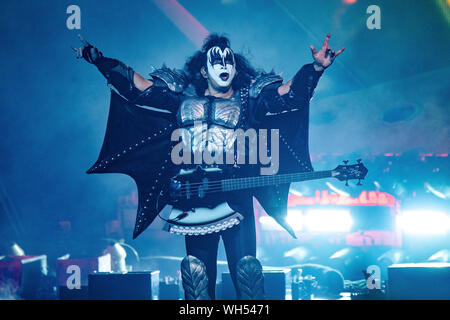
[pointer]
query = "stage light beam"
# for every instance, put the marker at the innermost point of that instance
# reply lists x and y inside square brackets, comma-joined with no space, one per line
[440,256]
[183,20]
[437,193]
[337,190]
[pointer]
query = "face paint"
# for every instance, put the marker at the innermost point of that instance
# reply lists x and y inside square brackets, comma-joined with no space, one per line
[221,66]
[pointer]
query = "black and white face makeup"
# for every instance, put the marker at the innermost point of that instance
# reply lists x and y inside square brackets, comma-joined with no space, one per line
[221,66]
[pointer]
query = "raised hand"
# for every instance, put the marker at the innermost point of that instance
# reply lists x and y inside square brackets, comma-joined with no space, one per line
[87,51]
[325,56]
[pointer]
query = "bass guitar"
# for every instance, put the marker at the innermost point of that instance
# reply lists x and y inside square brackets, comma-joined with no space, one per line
[197,201]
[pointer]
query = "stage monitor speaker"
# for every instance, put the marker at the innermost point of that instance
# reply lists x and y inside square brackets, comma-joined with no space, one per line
[419,281]
[23,277]
[124,286]
[169,291]
[275,285]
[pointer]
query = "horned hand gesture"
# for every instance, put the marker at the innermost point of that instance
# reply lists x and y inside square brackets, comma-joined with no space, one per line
[325,56]
[87,51]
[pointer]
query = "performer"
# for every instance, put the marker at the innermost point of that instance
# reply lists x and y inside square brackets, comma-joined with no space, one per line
[220,89]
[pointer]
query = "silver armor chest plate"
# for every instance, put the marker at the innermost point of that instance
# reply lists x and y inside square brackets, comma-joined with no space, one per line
[210,123]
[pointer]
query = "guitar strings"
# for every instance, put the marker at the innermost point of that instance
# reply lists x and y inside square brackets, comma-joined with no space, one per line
[289,175]
[247,180]
[217,186]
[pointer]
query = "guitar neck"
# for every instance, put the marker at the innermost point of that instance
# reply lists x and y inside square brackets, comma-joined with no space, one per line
[270,180]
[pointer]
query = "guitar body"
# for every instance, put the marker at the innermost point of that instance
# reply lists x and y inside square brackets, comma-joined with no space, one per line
[199,187]
[197,202]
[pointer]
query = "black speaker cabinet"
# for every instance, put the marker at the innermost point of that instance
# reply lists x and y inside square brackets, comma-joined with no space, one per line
[124,286]
[169,291]
[419,281]
[65,293]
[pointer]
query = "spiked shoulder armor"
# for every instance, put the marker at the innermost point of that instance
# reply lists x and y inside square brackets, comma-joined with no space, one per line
[174,79]
[261,82]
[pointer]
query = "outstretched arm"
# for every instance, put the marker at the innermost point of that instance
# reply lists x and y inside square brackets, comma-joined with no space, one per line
[129,83]
[305,81]
[302,86]
[140,82]
[298,91]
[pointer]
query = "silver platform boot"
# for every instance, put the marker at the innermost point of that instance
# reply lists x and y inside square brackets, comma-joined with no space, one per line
[250,279]
[194,278]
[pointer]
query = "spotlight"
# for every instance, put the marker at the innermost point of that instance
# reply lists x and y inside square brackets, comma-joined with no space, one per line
[328,220]
[398,189]
[423,222]
[118,255]
[340,254]
[437,193]
[440,256]
[390,257]
[337,190]
[377,185]
[295,193]
[298,254]
[15,250]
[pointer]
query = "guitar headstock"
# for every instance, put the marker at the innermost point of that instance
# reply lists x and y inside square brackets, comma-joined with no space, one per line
[350,172]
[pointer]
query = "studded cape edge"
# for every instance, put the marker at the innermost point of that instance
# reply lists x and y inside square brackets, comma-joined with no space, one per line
[294,157]
[137,143]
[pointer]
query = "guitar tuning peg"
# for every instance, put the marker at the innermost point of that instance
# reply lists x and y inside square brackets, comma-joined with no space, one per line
[345,162]
[359,182]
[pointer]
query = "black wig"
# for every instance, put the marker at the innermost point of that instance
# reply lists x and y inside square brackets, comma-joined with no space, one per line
[244,71]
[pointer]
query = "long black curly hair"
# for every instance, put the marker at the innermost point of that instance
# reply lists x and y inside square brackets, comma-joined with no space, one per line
[244,71]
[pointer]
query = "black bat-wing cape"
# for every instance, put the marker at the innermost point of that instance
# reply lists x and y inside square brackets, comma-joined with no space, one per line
[137,143]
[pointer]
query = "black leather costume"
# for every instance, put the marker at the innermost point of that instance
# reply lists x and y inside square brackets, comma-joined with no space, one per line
[137,143]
